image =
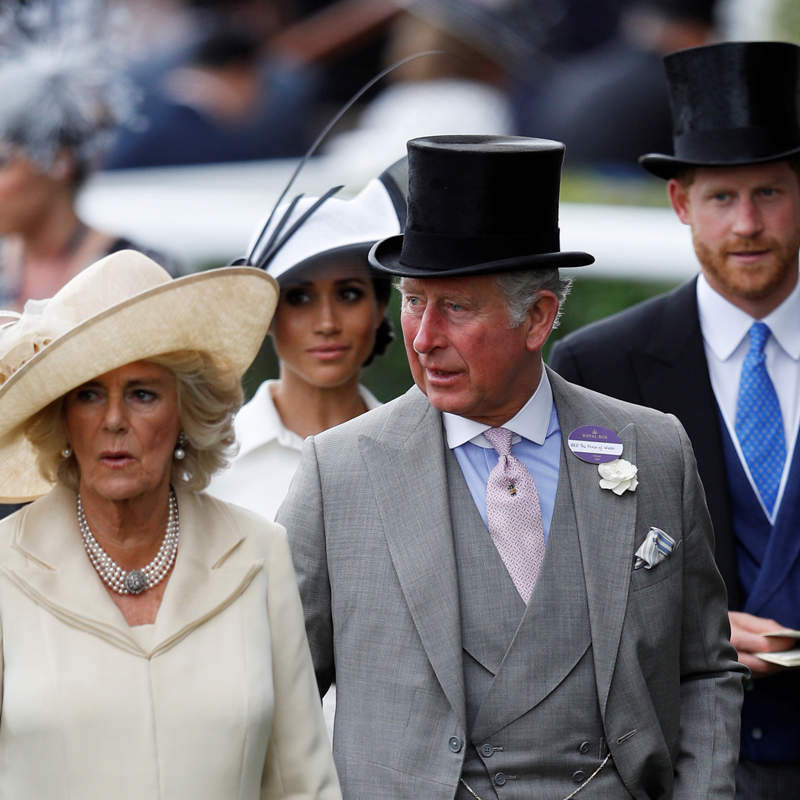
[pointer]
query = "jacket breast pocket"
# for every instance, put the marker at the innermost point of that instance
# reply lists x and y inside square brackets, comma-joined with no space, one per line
[654,615]
[670,567]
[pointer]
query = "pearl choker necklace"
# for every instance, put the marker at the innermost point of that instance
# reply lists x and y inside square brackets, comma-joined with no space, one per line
[134,581]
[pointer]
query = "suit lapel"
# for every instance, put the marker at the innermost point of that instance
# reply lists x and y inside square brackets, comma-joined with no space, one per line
[408,476]
[553,634]
[672,373]
[59,577]
[606,526]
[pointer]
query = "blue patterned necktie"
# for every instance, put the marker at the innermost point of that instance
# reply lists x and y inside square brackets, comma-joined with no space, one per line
[759,425]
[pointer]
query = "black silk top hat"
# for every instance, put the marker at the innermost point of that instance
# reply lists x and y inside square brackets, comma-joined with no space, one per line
[476,205]
[733,104]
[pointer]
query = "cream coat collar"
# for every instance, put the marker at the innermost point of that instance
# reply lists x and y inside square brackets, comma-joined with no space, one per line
[46,560]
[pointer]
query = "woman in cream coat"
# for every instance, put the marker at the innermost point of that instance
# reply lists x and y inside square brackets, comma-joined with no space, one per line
[185,677]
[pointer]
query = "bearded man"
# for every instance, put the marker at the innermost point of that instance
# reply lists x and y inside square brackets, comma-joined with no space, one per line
[722,353]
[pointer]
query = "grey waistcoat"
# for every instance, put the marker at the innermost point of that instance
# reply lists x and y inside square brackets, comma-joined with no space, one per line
[532,709]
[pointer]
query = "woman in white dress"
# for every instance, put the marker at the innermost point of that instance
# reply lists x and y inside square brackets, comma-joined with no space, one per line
[329,323]
[151,637]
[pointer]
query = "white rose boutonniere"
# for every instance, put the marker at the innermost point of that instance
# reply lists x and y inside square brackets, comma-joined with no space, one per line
[618,475]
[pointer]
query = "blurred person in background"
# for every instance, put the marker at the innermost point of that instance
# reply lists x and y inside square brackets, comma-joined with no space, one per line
[219,93]
[330,322]
[611,104]
[559,31]
[151,25]
[461,89]
[722,353]
[59,97]
[342,39]
[151,637]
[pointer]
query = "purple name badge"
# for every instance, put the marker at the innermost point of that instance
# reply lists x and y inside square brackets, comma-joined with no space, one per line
[594,444]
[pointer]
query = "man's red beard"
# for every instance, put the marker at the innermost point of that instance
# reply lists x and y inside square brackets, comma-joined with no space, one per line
[750,281]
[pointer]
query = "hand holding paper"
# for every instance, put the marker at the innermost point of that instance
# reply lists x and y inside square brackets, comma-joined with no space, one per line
[762,644]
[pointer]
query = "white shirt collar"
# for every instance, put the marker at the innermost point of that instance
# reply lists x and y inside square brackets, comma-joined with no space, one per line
[530,422]
[783,322]
[259,423]
[724,325]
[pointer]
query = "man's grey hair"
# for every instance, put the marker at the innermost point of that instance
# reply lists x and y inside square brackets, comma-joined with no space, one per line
[521,289]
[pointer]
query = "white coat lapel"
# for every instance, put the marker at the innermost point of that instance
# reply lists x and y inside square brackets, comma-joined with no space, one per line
[408,476]
[58,576]
[211,571]
[606,527]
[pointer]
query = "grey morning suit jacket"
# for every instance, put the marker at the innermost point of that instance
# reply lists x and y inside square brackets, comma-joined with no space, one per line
[439,676]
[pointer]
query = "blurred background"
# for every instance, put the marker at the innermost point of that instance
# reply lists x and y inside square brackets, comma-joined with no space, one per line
[223,98]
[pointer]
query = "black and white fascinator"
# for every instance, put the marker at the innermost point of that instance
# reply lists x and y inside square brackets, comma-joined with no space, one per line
[62,78]
[310,230]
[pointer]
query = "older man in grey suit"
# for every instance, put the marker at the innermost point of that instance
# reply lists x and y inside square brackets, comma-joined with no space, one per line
[510,577]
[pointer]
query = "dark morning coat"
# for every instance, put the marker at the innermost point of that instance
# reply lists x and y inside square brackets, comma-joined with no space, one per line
[653,354]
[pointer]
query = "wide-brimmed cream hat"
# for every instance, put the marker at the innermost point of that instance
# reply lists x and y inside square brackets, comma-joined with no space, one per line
[121,309]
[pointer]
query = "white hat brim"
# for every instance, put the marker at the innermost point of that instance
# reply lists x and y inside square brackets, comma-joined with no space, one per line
[224,312]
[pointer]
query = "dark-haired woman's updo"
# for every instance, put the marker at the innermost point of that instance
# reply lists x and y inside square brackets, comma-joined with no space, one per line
[384,336]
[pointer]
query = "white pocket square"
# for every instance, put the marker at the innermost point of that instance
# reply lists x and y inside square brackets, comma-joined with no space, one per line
[656,546]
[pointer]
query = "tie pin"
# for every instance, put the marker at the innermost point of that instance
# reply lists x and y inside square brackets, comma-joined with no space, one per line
[512,489]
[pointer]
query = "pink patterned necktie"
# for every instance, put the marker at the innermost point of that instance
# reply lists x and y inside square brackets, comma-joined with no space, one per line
[514,514]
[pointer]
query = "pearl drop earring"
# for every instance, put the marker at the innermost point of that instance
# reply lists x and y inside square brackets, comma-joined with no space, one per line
[180,447]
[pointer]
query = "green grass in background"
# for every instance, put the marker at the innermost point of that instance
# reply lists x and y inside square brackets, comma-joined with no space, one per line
[611,186]
[786,21]
[595,298]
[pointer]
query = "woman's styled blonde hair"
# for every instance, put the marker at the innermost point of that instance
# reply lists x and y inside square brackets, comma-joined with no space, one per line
[209,395]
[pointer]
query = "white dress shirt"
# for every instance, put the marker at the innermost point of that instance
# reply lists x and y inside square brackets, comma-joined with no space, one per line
[725,336]
[269,453]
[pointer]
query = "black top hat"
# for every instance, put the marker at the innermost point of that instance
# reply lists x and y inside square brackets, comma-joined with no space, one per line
[478,204]
[732,104]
